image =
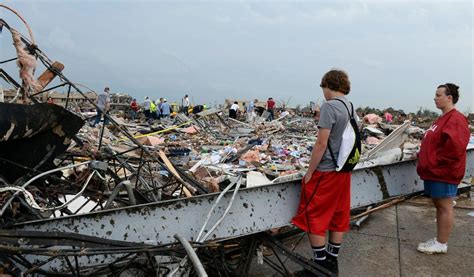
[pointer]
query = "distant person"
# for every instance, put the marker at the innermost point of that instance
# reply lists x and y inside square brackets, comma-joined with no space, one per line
[442,163]
[165,109]
[233,110]
[50,100]
[316,115]
[158,108]
[251,106]
[160,103]
[271,108]
[250,110]
[388,117]
[146,108]
[133,109]
[103,104]
[259,110]
[186,105]
[153,110]
[326,193]
[198,108]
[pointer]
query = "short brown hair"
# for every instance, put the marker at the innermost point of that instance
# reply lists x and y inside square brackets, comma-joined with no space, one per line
[336,80]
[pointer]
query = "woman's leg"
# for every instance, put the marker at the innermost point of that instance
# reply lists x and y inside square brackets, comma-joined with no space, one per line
[444,218]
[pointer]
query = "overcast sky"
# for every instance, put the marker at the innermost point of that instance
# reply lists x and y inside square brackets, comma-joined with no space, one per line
[395,52]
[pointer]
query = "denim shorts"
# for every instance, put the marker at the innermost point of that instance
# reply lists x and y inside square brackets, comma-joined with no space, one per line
[440,189]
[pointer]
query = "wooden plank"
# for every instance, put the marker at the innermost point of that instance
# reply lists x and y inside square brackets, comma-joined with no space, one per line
[46,77]
[173,171]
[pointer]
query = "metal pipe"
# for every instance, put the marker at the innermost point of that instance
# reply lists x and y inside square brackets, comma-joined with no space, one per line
[192,255]
[225,212]
[101,130]
[128,187]
[359,221]
[9,60]
[53,170]
[198,238]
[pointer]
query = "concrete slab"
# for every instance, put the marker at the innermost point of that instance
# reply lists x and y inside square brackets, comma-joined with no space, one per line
[368,255]
[361,255]
[380,224]
[417,223]
[374,250]
[458,262]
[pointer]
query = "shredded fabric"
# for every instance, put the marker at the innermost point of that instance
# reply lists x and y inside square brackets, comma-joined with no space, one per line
[27,64]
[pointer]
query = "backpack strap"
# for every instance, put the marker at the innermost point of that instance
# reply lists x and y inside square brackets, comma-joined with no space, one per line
[332,155]
[351,116]
[352,107]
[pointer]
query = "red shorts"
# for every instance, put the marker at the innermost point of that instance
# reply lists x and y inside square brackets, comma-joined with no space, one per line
[325,203]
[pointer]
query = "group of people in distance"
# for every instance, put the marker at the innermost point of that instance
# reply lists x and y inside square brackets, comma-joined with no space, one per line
[252,110]
[151,109]
[157,109]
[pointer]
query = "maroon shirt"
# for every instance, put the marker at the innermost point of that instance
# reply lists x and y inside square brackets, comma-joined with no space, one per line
[134,106]
[442,156]
[270,104]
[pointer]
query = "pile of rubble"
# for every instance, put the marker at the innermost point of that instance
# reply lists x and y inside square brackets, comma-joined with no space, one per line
[182,157]
[210,149]
[54,164]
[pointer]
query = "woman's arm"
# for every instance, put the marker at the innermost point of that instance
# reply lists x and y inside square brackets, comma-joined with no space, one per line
[456,137]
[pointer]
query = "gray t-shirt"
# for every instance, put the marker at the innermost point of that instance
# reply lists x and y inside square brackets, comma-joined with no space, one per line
[334,117]
[103,99]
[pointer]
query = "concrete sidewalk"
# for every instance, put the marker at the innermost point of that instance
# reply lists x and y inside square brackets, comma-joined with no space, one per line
[386,244]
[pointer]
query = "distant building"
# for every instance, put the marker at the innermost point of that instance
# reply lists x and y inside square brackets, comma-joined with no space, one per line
[10,94]
[75,99]
[119,101]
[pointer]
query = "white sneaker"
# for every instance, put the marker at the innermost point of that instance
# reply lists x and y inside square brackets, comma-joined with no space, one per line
[432,246]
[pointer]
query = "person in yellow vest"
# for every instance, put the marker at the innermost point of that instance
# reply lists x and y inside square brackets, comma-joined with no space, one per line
[153,110]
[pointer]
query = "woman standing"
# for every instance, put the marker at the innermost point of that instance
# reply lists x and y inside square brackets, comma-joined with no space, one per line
[442,163]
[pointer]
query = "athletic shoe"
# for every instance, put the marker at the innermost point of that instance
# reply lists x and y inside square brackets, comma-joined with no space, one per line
[327,264]
[432,246]
[331,264]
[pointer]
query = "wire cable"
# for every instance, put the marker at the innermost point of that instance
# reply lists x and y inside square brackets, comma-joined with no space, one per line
[7,203]
[203,238]
[31,201]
